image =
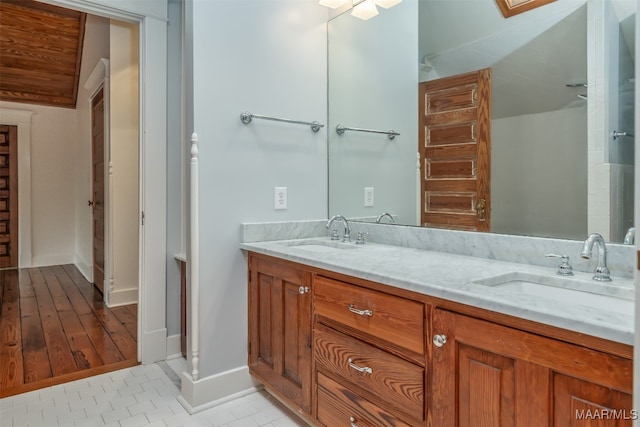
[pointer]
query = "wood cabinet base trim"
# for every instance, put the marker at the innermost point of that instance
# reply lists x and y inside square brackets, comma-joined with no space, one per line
[284,401]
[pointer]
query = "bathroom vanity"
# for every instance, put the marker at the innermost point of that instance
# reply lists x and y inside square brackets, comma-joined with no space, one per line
[378,335]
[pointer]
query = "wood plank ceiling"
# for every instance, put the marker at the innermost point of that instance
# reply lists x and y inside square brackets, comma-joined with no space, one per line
[40,53]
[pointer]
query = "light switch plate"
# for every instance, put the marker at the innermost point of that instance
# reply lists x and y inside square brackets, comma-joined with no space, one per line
[280,194]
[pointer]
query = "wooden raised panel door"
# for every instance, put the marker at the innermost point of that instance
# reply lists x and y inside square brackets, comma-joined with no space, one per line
[491,375]
[472,386]
[455,148]
[579,403]
[8,196]
[97,153]
[280,328]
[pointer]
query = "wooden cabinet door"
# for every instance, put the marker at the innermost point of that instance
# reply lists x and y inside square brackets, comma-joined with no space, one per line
[581,403]
[491,375]
[280,328]
[455,148]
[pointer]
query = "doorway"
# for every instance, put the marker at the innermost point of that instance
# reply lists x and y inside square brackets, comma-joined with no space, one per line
[8,196]
[97,201]
[151,18]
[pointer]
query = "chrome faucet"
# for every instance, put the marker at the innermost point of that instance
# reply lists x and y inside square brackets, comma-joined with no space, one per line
[630,237]
[382,215]
[347,231]
[602,271]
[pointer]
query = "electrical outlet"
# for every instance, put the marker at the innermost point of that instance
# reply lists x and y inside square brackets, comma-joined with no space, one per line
[280,194]
[368,196]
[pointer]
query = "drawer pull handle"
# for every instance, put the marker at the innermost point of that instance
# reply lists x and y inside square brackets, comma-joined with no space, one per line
[364,369]
[303,290]
[439,340]
[353,422]
[353,309]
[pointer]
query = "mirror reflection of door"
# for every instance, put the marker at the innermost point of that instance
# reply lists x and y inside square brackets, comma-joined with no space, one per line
[8,196]
[455,147]
[97,155]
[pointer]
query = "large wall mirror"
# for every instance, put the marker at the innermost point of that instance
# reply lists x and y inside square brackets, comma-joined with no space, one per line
[562,111]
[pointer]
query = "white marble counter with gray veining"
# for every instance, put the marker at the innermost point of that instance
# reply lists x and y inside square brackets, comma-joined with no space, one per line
[455,277]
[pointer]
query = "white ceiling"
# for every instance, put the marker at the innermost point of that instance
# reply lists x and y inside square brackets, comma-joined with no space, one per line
[533,55]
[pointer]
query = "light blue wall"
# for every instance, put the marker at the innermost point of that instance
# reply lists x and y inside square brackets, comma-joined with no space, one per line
[373,83]
[268,57]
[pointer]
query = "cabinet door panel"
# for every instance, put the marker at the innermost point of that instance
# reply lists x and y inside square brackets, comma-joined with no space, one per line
[488,374]
[280,329]
[296,334]
[580,404]
[486,385]
[266,298]
[473,385]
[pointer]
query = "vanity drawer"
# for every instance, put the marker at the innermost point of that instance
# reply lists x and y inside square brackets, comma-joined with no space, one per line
[338,406]
[399,383]
[386,317]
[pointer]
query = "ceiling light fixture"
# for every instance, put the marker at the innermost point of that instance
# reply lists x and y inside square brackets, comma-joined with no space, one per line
[363,9]
[387,3]
[333,4]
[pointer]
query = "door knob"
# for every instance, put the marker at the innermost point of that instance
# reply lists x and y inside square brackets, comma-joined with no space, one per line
[439,340]
[90,203]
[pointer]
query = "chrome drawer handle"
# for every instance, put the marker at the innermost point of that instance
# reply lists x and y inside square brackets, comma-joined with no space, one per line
[353,309]
[303,290]
[353,422]
[439,340]
[364,369]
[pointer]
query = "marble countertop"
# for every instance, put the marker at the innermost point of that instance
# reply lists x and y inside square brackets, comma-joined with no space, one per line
[460,278]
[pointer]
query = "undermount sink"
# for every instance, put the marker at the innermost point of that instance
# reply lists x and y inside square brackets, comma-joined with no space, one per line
[567,290]
[319,244]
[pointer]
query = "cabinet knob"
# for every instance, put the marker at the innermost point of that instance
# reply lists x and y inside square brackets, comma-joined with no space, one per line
[303,290]
[353,422]
[439,340]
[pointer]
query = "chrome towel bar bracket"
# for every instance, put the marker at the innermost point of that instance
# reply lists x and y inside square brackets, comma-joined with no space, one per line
[246,118]
[615,134]
[391,134]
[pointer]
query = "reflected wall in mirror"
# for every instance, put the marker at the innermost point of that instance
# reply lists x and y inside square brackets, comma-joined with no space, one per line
[562,83]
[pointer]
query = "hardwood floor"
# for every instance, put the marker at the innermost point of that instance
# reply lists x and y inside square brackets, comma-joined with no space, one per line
[55,327]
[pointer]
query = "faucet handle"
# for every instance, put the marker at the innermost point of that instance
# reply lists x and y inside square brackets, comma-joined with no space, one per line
[564,269]
[360,240]
[334,235]
[347,235]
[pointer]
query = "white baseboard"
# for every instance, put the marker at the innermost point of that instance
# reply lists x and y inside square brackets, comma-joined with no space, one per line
[216,389]
[85,268]
[122,297]
[173,347]
[47,260]
[154,346]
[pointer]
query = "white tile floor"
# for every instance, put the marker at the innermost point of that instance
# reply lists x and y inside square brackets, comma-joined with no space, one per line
[139,396]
